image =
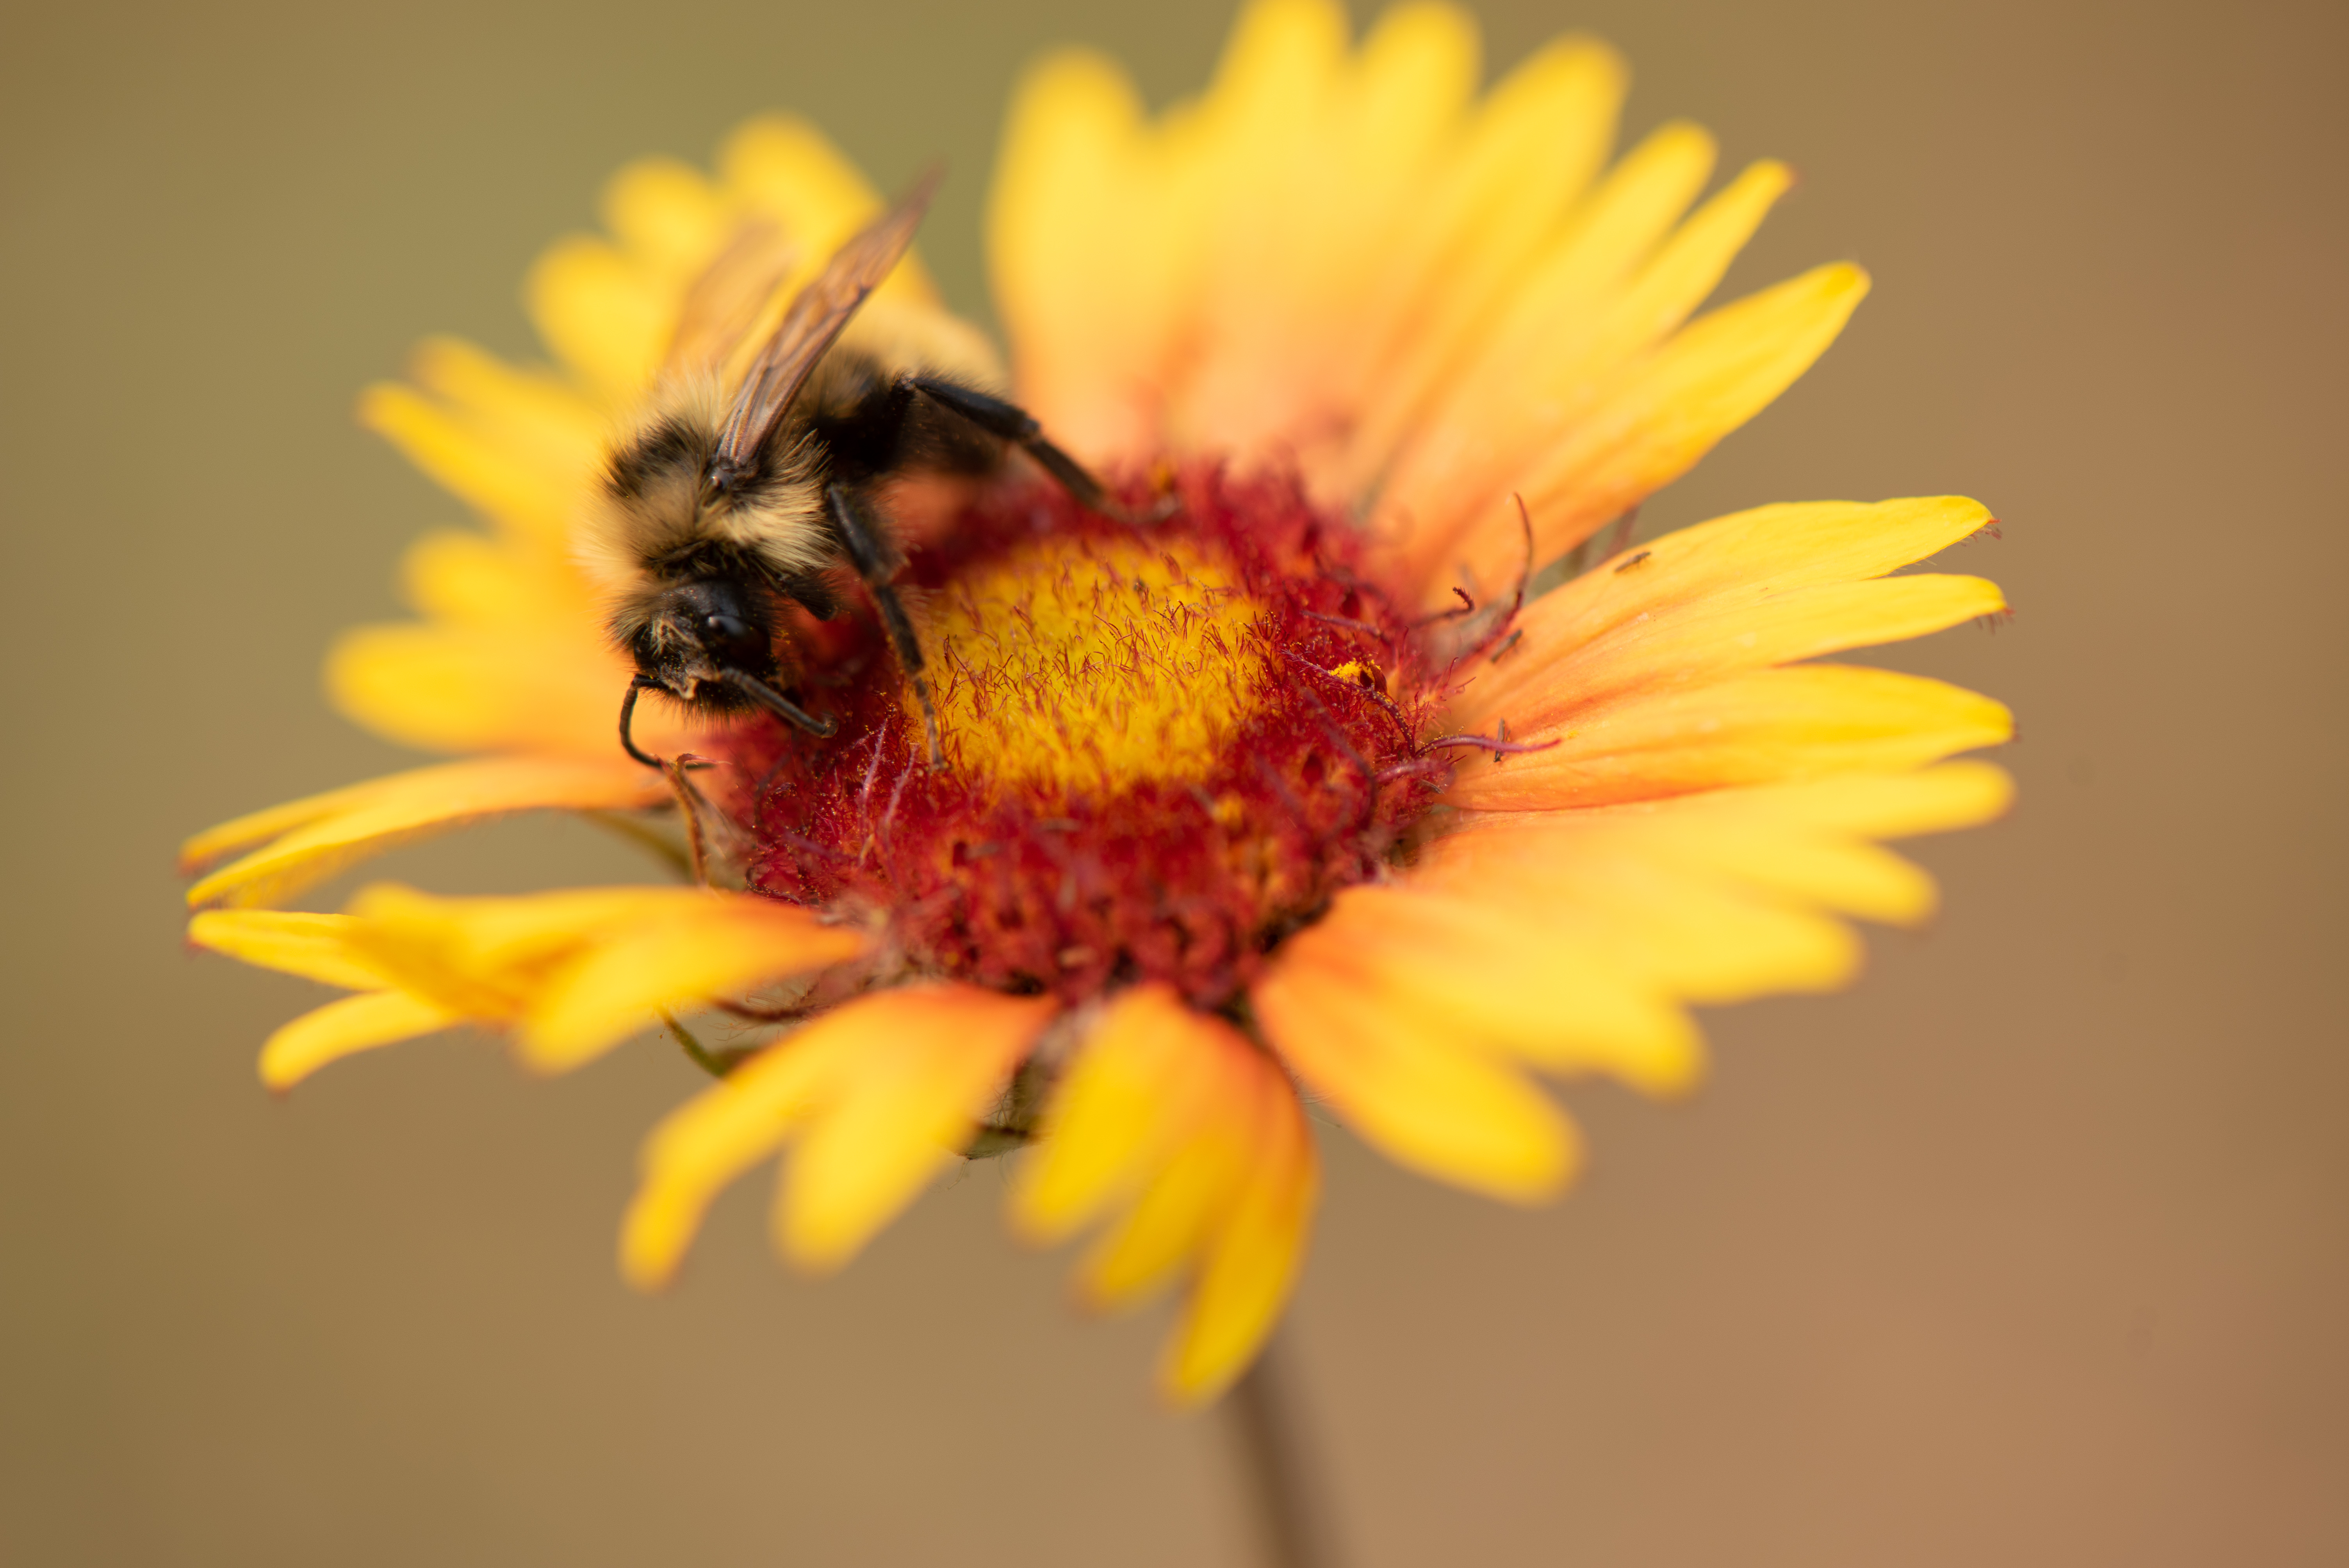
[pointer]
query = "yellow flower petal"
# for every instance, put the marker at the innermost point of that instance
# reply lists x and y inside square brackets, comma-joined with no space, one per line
[1252,1264]
[468,580]
[1327,162]
[713,1137]
[1249,274]
[1407,1086]
[1631,213]
[1705,896]
[1333,260]
[1140,1084]
[1897,806]
[1092,255]
[315,947]
[316,838]
[1802,842]
[578,970]
[781,167]
[532,499]
[1194,1191]
[1846,876]
[542,417]
[1670,286]
[520,444]
[416,931]
[607,318]
[1662,414]
[1768,587]
[1533,148]
[1531,981]
[1758,727]
[582,968]
[882,1091]
[1175,1115]
[514,657]
[1495,411]
[1694,931]
[667,216]
[676,956]
[1706,641]
[518,687]
[919,1066]
[1570,940]
[609,310]
[346,1027]
[1185,1200]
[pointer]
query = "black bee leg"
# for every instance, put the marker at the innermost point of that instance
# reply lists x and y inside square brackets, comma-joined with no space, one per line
[778,704]
[627,716]
[862,540]
[1011,422]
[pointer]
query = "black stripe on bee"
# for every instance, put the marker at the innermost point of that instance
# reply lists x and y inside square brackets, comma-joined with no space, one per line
[710,558]
[670,449]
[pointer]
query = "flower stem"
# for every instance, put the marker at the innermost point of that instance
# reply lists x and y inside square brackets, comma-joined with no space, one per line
[1284,1495]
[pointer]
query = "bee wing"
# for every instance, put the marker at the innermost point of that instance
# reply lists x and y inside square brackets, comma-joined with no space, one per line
[814,320]
[725,301]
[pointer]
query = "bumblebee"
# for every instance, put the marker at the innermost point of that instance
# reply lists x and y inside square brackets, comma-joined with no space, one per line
[723,506]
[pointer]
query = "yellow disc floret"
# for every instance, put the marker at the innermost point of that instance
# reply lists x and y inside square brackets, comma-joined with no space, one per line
[1090,664]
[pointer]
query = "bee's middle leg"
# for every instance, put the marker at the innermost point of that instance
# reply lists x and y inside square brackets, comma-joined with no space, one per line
[866,547]
[1011,422]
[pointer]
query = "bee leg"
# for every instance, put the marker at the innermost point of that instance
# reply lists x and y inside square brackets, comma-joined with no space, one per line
[861,540]
[778,704]
[627,716]
[1011,422]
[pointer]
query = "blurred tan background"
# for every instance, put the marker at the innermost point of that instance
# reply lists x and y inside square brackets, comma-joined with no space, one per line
[2031,1250]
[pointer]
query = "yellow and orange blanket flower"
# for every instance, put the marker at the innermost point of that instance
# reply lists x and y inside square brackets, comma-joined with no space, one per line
[1290,803]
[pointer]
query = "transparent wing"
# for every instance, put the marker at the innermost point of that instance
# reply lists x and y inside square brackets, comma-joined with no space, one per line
[814,320]
[724,302]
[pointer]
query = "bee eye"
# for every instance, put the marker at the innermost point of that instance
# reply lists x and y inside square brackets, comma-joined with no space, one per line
[734,640]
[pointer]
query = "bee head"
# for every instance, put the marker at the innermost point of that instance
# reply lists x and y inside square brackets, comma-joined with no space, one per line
[700,632]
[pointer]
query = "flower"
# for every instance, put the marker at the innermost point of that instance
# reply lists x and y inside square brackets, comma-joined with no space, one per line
[1293,797]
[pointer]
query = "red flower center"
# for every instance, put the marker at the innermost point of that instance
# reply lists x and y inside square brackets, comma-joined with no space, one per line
[1164,747]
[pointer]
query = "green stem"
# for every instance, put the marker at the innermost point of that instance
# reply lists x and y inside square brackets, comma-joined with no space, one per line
[714,1064]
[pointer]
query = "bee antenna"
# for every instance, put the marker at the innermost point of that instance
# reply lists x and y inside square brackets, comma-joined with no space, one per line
[778,704]
[627,715]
